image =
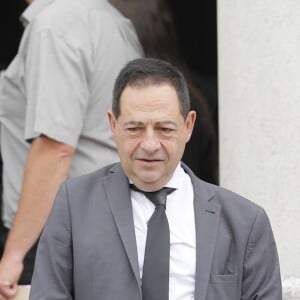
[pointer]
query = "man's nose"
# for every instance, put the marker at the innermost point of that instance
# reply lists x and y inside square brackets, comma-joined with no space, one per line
[150,142]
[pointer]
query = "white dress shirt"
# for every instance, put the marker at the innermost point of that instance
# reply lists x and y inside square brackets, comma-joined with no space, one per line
[180,214]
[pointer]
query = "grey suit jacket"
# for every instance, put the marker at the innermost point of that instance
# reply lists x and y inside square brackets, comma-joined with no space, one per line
[88,248]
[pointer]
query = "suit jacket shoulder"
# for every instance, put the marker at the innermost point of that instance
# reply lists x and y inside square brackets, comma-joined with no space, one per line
[235,237]
[93,179]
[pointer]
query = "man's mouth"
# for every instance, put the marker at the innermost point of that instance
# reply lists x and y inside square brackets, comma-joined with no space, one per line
[149,160]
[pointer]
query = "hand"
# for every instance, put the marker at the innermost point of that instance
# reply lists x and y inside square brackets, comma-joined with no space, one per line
[10,272]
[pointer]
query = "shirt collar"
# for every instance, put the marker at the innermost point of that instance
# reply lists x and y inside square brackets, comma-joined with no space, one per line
[176,179]
[33,10]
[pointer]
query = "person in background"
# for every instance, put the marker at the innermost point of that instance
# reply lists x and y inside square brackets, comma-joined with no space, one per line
[155,27]
[54,97]
[155,230]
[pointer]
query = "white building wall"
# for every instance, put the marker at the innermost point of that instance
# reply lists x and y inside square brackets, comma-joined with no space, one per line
[259,116]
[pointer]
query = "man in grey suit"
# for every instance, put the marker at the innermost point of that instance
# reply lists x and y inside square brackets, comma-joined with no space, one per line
[93,245]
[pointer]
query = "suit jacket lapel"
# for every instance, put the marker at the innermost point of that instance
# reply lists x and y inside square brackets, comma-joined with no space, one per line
[207,216]
[118,193]
[206,221]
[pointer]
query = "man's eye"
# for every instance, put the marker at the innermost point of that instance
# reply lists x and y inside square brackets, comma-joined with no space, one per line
[166,130]
[133,129]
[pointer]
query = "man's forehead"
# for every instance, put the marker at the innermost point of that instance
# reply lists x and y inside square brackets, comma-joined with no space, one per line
[151,101]
[149,88]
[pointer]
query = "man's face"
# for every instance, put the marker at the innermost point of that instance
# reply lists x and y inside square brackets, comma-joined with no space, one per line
[150,134]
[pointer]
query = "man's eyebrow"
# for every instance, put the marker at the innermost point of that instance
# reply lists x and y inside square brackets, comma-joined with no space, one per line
[165,123]
[159,123]
[136,123]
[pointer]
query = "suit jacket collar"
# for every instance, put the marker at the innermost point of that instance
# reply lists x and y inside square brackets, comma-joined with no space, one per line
[118,193]
[207,214]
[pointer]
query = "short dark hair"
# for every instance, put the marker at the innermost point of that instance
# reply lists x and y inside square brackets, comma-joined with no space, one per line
[143,72]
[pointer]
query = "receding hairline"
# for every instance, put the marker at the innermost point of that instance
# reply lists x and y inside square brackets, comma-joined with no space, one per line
[149,82]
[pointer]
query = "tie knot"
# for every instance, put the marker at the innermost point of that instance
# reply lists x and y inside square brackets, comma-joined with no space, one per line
[158,197]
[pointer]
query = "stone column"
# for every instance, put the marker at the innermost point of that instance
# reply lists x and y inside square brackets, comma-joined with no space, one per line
[259,116]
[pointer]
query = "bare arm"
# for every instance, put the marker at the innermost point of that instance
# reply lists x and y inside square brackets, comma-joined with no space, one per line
[47,166]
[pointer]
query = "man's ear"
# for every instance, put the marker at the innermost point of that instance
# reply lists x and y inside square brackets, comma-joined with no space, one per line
[189,123]
[112,121]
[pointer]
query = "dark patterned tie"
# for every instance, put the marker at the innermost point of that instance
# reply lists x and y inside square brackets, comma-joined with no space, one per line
[155,281]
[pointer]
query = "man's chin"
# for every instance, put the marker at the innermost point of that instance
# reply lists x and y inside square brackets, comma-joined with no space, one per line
[149,177]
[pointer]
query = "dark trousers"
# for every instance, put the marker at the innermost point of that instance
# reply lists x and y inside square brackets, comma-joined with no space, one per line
[28,261]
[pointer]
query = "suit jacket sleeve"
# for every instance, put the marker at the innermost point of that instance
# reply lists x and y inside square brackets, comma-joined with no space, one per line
[52,278]
[261,279]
